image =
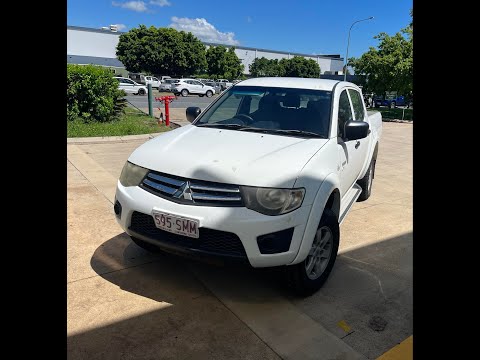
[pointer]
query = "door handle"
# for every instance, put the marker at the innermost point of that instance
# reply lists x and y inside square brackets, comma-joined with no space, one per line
[357,144]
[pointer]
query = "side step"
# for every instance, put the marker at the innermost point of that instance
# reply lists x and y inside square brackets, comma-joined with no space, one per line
[348,200]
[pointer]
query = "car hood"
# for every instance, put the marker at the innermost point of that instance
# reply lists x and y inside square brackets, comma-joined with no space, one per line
[228,156]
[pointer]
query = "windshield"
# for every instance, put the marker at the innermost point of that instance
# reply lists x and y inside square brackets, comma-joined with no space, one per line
[282,111]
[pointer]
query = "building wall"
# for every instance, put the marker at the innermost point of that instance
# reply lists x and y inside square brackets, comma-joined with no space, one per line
[97,44]
[89,43]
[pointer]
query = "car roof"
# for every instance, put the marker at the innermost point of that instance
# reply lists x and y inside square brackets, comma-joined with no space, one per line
[291,82]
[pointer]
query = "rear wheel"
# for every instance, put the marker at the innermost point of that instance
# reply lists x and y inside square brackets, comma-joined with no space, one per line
[366,182]
[184,92]
[306,277]
[141,92]
[145,245]
[209,93]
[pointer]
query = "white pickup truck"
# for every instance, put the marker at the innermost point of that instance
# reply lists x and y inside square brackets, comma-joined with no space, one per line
[265,175]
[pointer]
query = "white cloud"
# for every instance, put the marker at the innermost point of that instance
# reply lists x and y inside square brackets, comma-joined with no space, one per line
[121,27]
[160,3]
[138,6]
[202,29]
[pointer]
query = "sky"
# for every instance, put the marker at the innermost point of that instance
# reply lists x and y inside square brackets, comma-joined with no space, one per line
[301,26]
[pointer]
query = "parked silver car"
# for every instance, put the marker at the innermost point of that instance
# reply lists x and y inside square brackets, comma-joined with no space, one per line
[215,85]
[166,85]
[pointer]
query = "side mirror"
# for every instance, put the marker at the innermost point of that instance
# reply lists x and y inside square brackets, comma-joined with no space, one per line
[192,112]
[355,130]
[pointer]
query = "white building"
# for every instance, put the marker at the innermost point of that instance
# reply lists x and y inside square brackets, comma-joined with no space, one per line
[98,46]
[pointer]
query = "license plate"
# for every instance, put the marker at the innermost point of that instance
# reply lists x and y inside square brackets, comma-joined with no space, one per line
[176,224]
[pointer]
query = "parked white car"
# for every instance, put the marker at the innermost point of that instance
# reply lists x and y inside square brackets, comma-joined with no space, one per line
[265,176]
[131,87]
[191,86]
[152,80]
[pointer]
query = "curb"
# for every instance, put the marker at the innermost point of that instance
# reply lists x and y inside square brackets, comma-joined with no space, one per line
[117,139]
[398,121]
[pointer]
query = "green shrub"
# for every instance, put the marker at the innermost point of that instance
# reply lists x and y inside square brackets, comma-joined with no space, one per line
[93,94]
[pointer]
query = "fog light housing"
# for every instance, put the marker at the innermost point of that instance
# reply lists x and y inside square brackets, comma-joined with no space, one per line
[117,208]
[276,242]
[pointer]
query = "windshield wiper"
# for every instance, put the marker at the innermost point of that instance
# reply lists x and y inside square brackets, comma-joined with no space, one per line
[300,132]
[226,126]
[263,130]
[277,131]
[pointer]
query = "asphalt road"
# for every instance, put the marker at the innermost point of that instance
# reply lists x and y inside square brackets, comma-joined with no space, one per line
[180,102]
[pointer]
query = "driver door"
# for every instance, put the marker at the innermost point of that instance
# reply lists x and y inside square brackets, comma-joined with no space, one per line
[351,153]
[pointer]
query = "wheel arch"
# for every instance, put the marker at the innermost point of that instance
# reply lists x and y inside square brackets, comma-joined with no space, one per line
[328,196]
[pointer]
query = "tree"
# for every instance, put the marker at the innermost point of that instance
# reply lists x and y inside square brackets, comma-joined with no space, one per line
[390,66]
[161,51]
[299,66]
[265,67]
[223,63]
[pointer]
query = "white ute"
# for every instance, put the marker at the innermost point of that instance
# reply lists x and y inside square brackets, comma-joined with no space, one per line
[265,175]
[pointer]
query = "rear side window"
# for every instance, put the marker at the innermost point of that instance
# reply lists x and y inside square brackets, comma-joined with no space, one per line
[357,104]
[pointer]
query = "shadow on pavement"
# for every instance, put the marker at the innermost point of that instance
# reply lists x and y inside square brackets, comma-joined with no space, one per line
[370,289]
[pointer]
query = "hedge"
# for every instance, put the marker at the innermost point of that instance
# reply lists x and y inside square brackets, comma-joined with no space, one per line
[92,94]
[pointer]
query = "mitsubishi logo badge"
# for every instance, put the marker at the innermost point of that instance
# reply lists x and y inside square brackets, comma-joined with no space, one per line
[184,191]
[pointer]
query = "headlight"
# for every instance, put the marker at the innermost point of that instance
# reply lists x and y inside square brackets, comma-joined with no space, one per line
[132,174]
[272,201]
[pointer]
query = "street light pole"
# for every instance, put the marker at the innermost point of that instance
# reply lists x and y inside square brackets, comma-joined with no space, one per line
[348,45]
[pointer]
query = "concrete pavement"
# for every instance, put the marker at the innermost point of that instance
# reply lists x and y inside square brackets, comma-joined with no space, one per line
[126,303]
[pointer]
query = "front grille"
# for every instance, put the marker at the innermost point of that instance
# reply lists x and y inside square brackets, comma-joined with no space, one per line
[192,192]
[215,242]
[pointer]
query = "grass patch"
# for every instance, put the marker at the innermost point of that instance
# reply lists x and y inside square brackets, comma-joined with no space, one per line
[396,113]
[133,122]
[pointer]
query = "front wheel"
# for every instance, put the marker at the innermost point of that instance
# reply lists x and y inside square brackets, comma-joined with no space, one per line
[209,93]
[393,105]
[306,277]
[141,92]
[184,92]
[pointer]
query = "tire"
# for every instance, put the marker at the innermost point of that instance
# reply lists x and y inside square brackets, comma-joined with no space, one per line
[393,105]
[184,92]
[146,246]
[209,93]
[367,181]
[305,283]
[141,92]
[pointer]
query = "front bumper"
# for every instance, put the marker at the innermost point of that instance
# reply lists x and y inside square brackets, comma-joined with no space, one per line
[244,223]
